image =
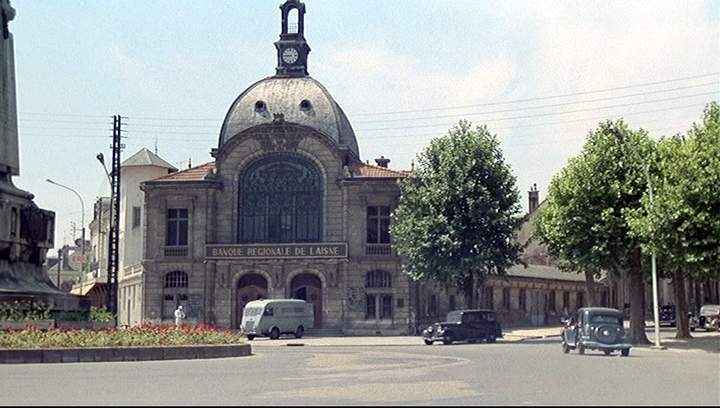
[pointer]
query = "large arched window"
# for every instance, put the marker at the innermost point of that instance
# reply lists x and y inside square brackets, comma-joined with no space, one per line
[281,200]
[175,293]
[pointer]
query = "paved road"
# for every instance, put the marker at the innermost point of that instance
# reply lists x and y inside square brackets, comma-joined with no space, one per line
[532,372]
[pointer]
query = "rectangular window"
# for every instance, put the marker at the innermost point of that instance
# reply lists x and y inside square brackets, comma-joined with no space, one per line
[566,300]
[13,221]
[177,227]
[378,225]
[386,307]
[580,300]
[370,307]
[551,301]
[522,300]
[506,298]
[136,217]
[400,303]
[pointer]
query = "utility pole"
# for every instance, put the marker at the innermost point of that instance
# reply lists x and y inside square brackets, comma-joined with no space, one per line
[114,233]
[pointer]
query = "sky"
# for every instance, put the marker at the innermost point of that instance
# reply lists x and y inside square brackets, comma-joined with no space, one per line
[539,74]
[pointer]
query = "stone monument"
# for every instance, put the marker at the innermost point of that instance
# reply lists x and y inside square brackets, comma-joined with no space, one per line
[26,231]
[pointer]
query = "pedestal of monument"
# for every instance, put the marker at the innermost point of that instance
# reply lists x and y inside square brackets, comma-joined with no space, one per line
[26,231]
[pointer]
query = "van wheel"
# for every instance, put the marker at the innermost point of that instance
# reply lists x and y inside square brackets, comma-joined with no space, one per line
[625,352]
[490,339]
[299,332]
[274,333]
[251,337]
[447,338]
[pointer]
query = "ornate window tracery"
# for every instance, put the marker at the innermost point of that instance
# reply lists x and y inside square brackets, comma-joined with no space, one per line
[281,200]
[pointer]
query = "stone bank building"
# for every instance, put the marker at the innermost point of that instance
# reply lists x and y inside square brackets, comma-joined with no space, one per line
[287,209]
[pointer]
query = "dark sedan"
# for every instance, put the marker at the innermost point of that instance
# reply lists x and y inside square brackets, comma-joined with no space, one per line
[460,325]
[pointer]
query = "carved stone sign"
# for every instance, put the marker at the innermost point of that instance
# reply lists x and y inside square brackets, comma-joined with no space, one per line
[277,251]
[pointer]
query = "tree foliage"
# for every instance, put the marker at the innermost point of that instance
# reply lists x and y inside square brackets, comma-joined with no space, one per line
[682,224]
[459,211]
[584,222]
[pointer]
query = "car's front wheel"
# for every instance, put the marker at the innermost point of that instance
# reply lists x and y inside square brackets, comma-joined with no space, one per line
[625,352]
[251,337]
[429,342]
[299,332]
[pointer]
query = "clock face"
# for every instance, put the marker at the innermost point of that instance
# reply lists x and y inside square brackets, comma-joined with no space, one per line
[290,55]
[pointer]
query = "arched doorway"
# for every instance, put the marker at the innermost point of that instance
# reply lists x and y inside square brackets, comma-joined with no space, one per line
[250,287]
[308,287]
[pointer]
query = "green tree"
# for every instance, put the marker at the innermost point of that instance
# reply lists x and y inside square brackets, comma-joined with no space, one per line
[584,221]
[458,212]
[682,224]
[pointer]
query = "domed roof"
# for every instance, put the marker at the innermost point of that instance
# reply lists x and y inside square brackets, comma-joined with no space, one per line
[301,100]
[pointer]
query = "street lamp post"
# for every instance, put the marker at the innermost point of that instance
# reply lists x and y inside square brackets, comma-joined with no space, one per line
[646,170]
[112,244]
[82,224]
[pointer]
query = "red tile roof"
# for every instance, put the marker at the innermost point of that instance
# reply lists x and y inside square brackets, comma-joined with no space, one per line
[193,174]
[360,171]
[368,170]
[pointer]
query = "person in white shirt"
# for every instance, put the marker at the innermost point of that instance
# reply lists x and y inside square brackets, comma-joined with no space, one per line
[179,316]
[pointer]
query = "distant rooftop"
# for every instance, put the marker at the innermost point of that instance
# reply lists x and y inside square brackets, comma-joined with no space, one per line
[147,158]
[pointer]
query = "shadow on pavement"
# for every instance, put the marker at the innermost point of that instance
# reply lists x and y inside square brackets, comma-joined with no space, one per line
[709,344]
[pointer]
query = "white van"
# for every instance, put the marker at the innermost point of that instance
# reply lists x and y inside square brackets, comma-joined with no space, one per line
[273,317]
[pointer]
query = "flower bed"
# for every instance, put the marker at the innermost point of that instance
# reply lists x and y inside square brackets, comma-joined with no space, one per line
[145,335]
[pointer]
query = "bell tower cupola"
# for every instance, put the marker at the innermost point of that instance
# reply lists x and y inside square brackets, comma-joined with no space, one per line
[292,49]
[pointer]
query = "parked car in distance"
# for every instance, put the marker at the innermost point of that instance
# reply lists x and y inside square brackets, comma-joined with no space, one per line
[709,317]
[273,317]
[667,315]
[596,328]
[465,325]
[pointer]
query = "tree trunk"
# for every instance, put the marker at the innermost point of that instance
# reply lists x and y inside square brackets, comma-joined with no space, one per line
[590,282]
[468,287]
[681,306]
[637,300]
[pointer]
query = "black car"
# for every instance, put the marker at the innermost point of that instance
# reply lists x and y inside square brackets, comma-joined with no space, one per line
[471,325]
[596,328]
[667,315]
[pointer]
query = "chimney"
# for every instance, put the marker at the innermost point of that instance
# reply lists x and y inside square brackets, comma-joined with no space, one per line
[533,199]
[382,161]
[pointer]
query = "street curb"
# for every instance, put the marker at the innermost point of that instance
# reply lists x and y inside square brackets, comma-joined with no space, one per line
[104,354]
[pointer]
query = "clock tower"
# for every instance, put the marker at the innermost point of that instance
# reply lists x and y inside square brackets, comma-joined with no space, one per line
[292,49]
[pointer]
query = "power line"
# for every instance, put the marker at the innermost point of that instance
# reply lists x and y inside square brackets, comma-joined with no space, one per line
[536,124]
[638,85]
[549,113]
[143,128]
[541,97]
[455,115]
